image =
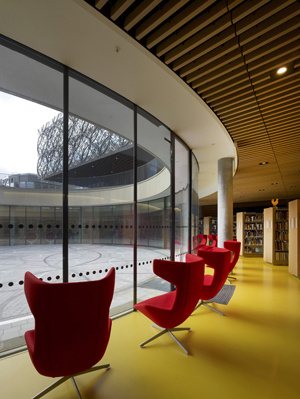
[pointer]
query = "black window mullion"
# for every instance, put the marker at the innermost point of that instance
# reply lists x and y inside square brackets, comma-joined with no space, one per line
[190,203]
[172,164]
[65,175]
[135,206]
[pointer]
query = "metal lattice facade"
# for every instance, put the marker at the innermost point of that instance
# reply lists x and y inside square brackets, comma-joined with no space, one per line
[87,142]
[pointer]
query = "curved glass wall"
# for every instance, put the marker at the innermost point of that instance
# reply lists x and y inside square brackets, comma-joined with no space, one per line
[87,183]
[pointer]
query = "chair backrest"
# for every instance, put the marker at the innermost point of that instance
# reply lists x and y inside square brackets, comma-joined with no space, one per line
[188,279]
[234,247]
[202,239]
[219,260]
[72,324]
[214,240]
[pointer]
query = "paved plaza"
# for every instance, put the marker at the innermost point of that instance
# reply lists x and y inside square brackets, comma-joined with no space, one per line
[86,262]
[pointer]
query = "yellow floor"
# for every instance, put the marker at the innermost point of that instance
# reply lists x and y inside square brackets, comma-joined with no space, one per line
[252,352]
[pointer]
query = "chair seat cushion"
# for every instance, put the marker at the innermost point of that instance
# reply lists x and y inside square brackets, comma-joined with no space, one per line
[157,309]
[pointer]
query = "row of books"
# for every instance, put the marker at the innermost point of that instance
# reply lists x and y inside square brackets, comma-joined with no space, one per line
[282,225]
[281,235]
[252,226]
[281,215]
[282,256]
[281,246]
[249,250]
[253,241]
[254,218]
[251,233]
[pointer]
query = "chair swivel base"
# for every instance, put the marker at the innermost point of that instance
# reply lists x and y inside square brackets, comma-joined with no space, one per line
[169,331]
[204,303]
[63,379]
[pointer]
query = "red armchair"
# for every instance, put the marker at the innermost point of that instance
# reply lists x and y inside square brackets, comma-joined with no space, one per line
[235,248]
[72,326]
[203,238]
[169,310]
[219,260]
[214,240]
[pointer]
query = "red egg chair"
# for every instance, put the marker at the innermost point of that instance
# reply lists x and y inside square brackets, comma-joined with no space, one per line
[202,240]
[217,259]
[72,326]
[170,310]
[235,248]
[214,240]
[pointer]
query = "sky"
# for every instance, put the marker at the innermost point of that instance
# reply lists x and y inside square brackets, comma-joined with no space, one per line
[19,123]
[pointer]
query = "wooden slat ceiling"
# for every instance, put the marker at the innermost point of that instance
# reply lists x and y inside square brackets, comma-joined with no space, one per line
[228,52]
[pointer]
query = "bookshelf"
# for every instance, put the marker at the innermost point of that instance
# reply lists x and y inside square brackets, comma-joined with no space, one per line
[206,225]
[234,226]
[294,238]
[276,236]
[250,233]
[210,226]
[213,229]
[201,231]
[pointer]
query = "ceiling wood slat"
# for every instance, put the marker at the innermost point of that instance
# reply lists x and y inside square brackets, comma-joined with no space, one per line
[118,9]
[270,23]
[159,17]
[219,76]
[189,30]
[270,48]
[209,43]
[261,14]
[138,13]
[226,59]
[100,3]
[175,23]
[272,35]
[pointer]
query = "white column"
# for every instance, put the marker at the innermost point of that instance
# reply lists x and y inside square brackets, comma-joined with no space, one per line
[225,200]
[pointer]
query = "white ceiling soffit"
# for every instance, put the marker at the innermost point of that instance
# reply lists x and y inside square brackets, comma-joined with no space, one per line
[76,35]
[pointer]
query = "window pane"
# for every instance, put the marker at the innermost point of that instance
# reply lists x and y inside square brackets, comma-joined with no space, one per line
[181,200]
[153,211]
[100,189]
[195,204]
[30,97]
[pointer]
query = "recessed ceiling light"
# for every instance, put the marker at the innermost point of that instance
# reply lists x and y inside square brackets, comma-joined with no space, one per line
[293,186]
[263,163]
[273,184]
[262,189]
[281,70]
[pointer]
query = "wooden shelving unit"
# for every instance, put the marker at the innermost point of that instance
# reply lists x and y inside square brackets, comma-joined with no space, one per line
[213,228]
[234,226]
[276,236]
[201,226]
[250,233]
[294,238]
[206,224]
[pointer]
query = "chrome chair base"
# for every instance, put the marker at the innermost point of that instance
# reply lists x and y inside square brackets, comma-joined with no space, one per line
[204,303]
[63,379]
[169,331]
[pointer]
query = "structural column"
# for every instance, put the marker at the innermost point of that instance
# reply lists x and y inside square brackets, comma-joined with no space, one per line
[225,200]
